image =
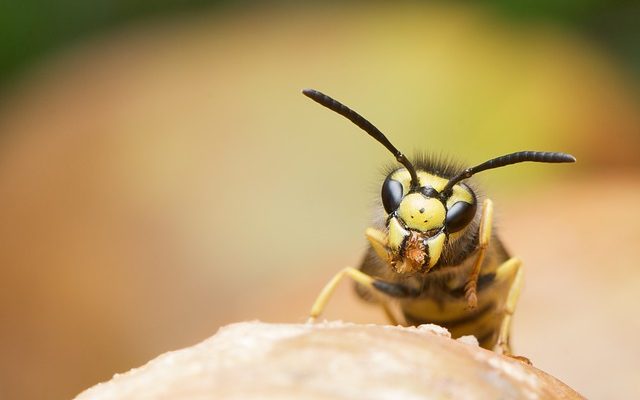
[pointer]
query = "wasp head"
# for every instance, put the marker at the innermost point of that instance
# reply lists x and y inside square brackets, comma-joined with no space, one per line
[421,218]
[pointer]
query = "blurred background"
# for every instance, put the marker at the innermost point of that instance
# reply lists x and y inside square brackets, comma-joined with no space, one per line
[161,175]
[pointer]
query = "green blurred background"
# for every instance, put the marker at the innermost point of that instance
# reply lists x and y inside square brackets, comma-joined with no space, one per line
[161,175]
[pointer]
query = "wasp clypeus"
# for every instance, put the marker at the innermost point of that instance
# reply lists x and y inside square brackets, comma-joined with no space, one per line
[433,252]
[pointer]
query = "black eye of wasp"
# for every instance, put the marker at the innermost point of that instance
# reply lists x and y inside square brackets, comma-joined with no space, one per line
[391,195]
[459,215]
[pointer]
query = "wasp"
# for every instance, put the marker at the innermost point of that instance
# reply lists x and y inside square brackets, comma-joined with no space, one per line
[433,256]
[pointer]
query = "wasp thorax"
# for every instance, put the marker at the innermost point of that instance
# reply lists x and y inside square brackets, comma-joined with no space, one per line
[422,213]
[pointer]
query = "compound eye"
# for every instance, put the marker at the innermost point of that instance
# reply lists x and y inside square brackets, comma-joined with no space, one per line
[391,195]
[460,215]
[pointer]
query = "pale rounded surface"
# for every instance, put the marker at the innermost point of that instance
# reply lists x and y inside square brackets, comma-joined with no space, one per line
[331,361]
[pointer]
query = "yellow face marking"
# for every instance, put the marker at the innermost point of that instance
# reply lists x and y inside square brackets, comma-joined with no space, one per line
[435,244]
[421,213]
[396,234]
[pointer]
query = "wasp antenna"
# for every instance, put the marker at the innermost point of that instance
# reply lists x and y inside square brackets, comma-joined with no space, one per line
[366,126]
[508,159]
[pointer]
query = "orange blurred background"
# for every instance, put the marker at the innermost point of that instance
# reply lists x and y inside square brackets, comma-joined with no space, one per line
[165,177]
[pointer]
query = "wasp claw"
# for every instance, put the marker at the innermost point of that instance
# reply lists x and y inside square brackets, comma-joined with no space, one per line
[522,359]
[472,299]
[472,303]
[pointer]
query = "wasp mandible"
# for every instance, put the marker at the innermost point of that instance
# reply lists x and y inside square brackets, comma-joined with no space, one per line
[434,252]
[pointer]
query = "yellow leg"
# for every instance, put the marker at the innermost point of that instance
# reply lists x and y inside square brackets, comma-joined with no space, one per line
[388,313]
[378,241]
[512,271]
[326,293]
[486,223]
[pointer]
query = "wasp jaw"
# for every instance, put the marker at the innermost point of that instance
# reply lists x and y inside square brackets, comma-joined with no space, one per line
[416,252]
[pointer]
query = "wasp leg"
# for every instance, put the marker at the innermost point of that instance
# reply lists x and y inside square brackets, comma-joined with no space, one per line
[512,271]
[389,314]
[363,279]
[378,241]
[486,223]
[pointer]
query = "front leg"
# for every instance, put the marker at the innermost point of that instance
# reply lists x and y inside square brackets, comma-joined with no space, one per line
[378,241]
[330,287]
[389,288]
[486,223]
[510,272]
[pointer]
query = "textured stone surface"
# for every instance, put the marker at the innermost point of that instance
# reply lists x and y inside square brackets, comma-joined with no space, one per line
[334,360]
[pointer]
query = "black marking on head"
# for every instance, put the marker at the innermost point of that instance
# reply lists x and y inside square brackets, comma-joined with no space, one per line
[403,245]
[421,210]
[428,191]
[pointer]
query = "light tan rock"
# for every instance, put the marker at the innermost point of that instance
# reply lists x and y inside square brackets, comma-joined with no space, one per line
[335,360]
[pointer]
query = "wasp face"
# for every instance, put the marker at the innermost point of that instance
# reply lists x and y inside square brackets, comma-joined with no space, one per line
[420,220]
